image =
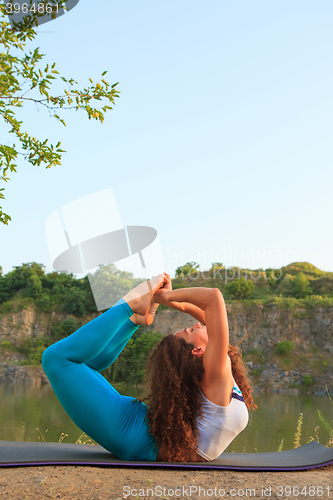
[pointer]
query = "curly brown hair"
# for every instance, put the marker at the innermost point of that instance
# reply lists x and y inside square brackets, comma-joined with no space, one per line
[239,372]
[174,377]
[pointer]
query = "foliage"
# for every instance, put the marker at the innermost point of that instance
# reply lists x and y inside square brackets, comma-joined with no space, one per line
[5,307]
[74,302]
[65,328]
[240,289]
[188,269]
[26,79]
[302,288]
[307,380]
[284,347]
[325,423]
[328,427]
[130,364]
[5,344]
[33,348]
[297,440]
[110,284]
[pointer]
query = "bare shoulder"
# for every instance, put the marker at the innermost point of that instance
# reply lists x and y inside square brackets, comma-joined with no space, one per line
[218,389]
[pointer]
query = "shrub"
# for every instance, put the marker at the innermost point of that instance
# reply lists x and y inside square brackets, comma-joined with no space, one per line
[284,347]
[307,380]
[301,286]
[6,344]
[74,302]
[240,289]
[6,306]
[33,349]
[65,328]
[44,302]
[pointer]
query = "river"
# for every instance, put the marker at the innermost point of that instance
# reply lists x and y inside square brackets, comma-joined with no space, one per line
[34,414]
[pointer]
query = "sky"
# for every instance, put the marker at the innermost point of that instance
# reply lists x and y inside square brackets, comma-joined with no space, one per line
[221,139]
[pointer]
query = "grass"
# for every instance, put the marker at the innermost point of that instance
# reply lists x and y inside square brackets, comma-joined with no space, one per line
[298,433]
[80,440]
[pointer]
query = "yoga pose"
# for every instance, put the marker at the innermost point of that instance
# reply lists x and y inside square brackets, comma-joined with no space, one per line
[195,407]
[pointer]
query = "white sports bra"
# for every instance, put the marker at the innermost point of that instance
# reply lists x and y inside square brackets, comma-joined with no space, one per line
[219,425]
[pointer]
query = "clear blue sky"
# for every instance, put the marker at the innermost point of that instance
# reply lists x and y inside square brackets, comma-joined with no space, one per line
[221,139]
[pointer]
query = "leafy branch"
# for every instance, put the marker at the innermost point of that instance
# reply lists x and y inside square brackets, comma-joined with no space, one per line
[27,79]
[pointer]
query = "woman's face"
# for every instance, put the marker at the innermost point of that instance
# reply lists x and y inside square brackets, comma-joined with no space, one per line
[196,335]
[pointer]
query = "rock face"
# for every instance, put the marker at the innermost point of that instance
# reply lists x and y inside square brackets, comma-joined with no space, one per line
[33,375]
[255,328]
[262,327]
[259,329]
[15,329]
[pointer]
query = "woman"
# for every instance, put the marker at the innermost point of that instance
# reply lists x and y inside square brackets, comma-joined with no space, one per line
[121,423]
[199,393]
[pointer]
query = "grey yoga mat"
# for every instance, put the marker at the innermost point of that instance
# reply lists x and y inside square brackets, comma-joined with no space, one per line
[16,453]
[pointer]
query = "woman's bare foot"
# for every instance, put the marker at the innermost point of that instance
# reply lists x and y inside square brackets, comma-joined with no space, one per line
[139,298]
[148,318]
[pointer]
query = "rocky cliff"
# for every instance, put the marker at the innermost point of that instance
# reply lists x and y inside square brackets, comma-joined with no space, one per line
[258,329]
[255,328]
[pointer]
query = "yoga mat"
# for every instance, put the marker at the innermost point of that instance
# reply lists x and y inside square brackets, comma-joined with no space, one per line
[16,453]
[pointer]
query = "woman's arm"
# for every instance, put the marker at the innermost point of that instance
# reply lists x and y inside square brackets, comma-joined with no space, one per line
[184,307]
[211,301]
[198,296]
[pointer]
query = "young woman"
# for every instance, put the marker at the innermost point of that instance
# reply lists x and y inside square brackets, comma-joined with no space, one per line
[124,425]
[199,393]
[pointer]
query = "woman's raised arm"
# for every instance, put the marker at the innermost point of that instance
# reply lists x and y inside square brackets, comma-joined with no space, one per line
[184,307]
[211,301]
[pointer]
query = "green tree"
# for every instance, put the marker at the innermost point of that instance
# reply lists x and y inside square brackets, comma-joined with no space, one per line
[110,284]
[188,268]
[301,286]
[240,289]
[26,79]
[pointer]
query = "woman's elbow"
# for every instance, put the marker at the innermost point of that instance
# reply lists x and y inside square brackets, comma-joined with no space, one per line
[216,294]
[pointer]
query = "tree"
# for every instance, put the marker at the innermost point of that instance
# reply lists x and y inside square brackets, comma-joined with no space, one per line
[240,289]
[26,79]
[187,269]
[301,286]
[109,283]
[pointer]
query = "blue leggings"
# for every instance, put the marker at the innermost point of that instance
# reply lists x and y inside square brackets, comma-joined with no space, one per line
[118,423]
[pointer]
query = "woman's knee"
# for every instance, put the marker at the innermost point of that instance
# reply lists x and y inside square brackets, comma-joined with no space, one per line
[49,358]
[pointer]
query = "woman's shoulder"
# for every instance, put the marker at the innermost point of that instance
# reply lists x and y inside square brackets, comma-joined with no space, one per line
[218,389]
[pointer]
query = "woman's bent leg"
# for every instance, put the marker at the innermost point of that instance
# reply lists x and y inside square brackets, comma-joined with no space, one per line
[114,421]
[112,350]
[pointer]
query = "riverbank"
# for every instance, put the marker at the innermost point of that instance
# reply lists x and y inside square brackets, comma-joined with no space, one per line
[99,483]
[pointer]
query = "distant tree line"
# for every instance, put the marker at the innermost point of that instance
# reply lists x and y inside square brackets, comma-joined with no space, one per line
[59,290]
[298,280]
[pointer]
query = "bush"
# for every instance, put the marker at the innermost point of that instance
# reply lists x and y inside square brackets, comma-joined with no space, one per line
[74,302]
[6,306]
[44,302]
[33,349]
[131,363]
[307,380]
[65,328]
[240,289]
[301,286]
[6,344]
[284,347]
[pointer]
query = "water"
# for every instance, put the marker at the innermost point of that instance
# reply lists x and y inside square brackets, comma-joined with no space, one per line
[24,409]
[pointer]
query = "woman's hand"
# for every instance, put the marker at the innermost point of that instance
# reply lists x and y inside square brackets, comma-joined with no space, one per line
[167,285]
